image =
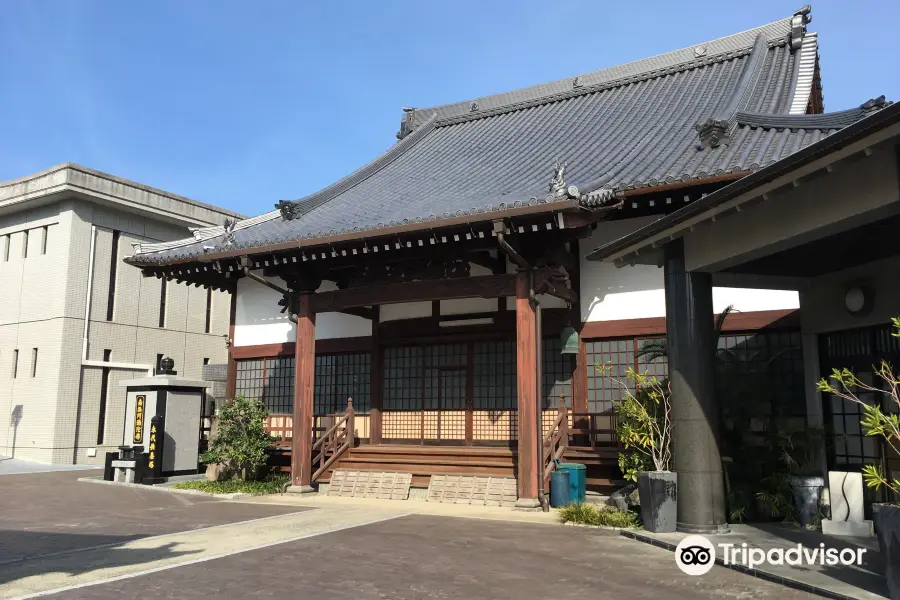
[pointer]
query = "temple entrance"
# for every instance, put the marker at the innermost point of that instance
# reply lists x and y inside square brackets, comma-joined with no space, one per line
[452,394]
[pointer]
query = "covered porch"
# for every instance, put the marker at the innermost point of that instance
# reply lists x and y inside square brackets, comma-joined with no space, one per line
[488,395]
[823,221]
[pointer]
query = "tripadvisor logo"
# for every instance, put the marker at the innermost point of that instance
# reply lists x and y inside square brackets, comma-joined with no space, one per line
[696,555]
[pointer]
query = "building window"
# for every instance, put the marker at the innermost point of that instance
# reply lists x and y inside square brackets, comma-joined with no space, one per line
[6,241]
[104,392]
[25,244]
[15,365]
[163,292]
[769,361]
[205,361]
[337,377]
[113,265]
[45,234]
[159,358]
[34,352]
[208,309]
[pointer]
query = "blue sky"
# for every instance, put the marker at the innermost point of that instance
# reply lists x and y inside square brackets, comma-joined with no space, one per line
[242,104]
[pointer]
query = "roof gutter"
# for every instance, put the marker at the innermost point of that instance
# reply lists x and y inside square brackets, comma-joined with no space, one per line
[852,133]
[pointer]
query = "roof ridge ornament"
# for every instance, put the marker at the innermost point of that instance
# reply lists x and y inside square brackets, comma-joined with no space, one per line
[558,190]
[289,210]
[799,22]
[713,132]
[228,226]
[878,102]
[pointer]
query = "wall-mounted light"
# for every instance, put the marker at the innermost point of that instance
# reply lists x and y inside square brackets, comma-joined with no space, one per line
[859,299]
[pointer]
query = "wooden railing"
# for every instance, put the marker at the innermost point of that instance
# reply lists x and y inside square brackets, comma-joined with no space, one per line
[593,429]
[554,445]
[336,440]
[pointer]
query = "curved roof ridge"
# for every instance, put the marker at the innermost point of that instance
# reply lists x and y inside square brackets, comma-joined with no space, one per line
[309,203]
[833,120]
[775,31]
[593,89]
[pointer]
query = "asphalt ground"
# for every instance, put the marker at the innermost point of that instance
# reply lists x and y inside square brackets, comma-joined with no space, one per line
[418,557]
[42,513]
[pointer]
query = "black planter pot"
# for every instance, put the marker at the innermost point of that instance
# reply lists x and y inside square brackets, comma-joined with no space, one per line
[807,492]
[658,495]
[887,526]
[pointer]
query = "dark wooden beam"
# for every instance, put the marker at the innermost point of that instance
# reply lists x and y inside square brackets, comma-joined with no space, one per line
[552,283]
[485,286]
[361,311]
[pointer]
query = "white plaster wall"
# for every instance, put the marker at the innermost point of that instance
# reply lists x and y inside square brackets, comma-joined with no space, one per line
[609,293]
[404,310]
[258,320]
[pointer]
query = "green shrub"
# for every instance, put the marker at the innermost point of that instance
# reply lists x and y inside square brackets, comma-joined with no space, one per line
[241,438]
[270,485]
[591,514]
[632,462]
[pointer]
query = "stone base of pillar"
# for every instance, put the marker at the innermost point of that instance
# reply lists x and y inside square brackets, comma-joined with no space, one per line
[703,529]
[301,489]
[528,504]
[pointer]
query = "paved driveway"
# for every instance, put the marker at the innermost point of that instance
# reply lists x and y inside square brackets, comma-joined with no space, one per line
[43,513]
[82,540]
[417,557]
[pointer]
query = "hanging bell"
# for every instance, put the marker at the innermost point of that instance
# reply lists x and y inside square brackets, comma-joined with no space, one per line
[569,340]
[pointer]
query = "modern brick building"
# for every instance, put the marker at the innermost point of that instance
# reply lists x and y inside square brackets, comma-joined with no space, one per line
[75,320]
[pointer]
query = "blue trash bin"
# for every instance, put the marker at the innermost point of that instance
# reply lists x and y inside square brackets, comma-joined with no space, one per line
[577,480]
[559,488]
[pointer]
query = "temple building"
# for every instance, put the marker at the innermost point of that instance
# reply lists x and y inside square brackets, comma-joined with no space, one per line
[445,286]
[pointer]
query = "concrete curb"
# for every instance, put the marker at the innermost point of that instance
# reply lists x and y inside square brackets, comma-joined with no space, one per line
[606,527]
[167,488]
[765,575]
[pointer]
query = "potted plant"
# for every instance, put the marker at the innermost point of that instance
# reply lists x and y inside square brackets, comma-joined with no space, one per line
[885,424]
[801,452]
[644,426]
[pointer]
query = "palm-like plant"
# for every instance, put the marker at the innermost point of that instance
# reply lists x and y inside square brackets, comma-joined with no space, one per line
[875,422]
[650,351]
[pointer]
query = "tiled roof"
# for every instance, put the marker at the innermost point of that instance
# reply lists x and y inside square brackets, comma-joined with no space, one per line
[627,127]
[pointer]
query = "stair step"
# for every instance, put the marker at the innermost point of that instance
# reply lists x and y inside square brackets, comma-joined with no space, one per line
[437,460]
[428,469]
[434,450]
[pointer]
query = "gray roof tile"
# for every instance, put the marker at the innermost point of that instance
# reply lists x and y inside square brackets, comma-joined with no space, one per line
[622,128]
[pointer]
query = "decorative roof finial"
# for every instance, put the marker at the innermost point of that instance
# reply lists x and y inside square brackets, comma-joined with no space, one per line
[289,210]
[878,102]
[798,26]
[713,132]
[558,188]
[228,225]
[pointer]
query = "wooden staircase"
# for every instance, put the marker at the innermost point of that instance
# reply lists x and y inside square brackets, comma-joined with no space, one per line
[424,461]
[578,442]
[602,462]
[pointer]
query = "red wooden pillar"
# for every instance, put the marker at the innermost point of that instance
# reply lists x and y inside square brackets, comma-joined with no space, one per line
[375,382]
[304,375]
[526,373]
[231,375]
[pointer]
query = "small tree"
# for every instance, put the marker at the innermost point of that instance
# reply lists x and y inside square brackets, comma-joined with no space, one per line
[241,438]
[643,421]
[845,384]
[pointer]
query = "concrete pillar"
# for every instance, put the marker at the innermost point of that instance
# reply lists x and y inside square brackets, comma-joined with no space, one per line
[304,378]
[695,410]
